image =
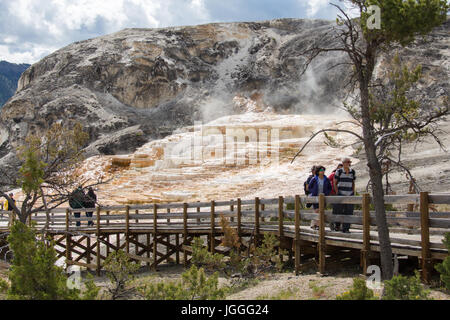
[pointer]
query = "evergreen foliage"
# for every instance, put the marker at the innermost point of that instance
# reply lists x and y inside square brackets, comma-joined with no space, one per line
[201,257]
[194,285]
[444,267]
[33,274]
[359,291]
[405,288]
[119,270]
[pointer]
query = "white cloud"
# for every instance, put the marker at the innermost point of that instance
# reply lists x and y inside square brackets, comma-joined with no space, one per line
[31,29]
[30,53]
[314,6]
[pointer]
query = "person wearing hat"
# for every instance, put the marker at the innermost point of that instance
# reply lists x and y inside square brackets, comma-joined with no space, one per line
[319,184]
[344,183]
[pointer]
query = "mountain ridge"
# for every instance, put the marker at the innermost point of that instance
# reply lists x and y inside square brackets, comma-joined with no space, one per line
[136,85]
[9,78]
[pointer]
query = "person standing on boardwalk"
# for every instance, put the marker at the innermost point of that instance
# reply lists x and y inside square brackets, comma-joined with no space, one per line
[76,201]
[306,184]
[319,184]
[331,178]
[8,207]
[333,193]
[90,201]
[344,183]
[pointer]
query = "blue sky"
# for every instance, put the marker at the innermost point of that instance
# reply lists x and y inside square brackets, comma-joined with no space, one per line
[32,29]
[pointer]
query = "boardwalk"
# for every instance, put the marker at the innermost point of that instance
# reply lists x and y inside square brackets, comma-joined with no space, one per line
[156,233]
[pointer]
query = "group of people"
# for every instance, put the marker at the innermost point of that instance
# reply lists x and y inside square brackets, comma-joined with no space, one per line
[77,200]
[341,182]
[80,200]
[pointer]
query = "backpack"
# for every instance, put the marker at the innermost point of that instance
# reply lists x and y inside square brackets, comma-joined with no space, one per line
[76,199]
[306,183]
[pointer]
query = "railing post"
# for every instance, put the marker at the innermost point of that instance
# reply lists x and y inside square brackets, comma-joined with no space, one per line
[155,236]
[280,224]
[185,232]
[297,235]
[365,251]
[198,210]
[256,221]
[68,237]
[280,216]
[88,248]
[136,236]
[321,233]
[213,223]
[232,210]
[177,244]
[425,236]
[168,212]
[148,248]
[239,220]
[127,228]
[98,242]
[263,207]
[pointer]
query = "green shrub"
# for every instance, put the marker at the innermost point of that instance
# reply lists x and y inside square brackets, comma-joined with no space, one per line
[405,288]
[444,267]
[359,291]
[4,286]
[265,257]
[91,291]
[33,274]
[194,285]
[201,257]
[119,269]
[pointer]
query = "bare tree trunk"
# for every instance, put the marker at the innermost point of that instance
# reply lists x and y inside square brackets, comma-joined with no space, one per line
[380,214]
[376,176]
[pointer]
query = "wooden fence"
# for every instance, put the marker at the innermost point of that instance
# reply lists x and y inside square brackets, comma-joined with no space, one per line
[174,226]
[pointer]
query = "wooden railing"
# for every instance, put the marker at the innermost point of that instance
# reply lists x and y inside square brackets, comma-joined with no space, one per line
[410,230]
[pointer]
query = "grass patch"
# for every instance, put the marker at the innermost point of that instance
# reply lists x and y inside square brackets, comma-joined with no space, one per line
[287,294]
[317,290]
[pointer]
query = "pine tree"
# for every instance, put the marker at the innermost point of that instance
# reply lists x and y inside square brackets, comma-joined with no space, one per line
[33,274]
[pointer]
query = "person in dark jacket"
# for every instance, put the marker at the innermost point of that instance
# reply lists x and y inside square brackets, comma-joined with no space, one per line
[90,201]
[76,201]
[306,184]
[8,207]
[319,184]
[8,204]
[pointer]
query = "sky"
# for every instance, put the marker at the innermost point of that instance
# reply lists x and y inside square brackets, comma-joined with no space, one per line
[33,29]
